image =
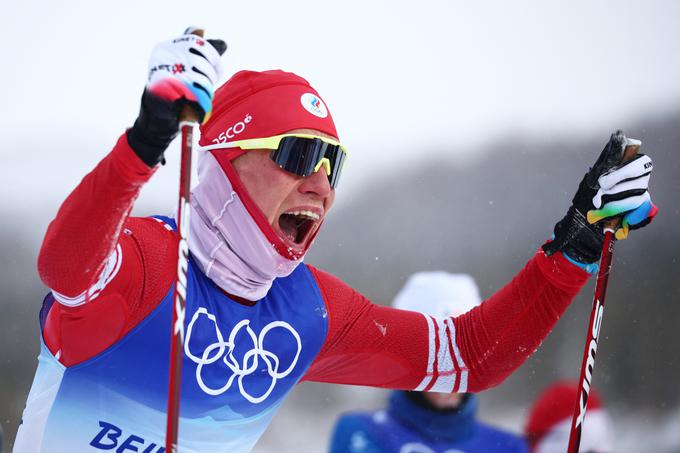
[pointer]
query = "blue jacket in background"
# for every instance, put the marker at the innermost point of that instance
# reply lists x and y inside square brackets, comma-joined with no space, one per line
[407,427]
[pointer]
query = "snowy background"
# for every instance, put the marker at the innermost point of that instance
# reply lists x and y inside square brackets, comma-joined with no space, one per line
[469,125]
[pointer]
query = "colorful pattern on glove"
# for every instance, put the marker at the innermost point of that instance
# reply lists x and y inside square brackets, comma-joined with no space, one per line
[637,219]
[172,90]
[616,208]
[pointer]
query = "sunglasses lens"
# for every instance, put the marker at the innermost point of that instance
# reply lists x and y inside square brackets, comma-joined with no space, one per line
[337,157]
[300,155]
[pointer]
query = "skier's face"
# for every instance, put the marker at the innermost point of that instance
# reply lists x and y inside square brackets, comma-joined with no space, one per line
[294,206]
[444,400]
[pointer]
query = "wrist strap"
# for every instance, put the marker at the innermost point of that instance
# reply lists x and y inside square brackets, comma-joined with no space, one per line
[156,126]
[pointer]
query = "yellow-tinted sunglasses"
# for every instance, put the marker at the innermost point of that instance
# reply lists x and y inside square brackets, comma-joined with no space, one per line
[302,154]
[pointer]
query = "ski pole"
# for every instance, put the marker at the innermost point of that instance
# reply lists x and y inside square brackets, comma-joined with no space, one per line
[187,119]
[595,325]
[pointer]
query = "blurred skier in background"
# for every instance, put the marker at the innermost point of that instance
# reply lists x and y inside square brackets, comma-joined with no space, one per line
[422,422]
[258,319]
[549,422]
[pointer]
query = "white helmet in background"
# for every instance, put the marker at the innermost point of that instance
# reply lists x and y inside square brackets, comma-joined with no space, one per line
[438,294]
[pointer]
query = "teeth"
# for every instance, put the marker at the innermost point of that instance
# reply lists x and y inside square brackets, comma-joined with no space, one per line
[308,214]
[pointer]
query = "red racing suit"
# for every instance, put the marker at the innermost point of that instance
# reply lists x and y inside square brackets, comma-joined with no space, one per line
[109,271]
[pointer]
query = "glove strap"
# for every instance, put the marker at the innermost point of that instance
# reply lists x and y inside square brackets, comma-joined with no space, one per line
[152,133]
[576,238]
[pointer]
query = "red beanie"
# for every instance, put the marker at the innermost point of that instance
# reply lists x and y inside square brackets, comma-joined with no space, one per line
[553,406]
[262,104]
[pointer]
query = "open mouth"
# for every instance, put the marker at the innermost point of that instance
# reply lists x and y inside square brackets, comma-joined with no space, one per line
[296,226]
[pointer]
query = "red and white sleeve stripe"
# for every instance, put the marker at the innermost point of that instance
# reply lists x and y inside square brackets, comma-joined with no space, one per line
[446,370]
[111,268]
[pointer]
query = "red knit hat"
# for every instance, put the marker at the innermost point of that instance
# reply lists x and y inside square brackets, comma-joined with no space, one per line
[262,104]
[553,406]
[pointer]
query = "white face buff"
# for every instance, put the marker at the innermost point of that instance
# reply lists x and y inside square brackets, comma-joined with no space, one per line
[225,240]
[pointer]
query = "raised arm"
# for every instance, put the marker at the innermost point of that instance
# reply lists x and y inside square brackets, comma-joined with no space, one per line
[380,346]
[82,239]
[107,271]
[85,231]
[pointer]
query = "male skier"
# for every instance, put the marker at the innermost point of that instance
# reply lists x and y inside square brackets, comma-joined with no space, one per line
[258,319]
[427,422]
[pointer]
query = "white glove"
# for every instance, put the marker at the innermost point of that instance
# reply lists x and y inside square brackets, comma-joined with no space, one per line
[625,189]
[183,71]
[187,67]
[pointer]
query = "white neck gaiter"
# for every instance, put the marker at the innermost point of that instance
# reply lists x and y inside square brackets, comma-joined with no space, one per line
[225,240]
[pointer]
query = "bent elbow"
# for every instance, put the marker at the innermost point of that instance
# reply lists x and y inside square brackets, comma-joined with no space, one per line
[480,382]
[56,270]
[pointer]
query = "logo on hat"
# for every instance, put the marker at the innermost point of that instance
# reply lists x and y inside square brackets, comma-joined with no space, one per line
[314,105]
[233,130]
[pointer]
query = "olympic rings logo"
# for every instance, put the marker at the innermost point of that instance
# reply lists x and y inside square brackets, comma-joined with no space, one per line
[250,362]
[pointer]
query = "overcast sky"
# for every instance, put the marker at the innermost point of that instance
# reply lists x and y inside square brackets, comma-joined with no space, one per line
[402,79]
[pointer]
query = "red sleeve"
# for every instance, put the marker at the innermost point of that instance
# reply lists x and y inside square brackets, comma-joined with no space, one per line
[368,344]
[384,347]
[85,231]
[106,270]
